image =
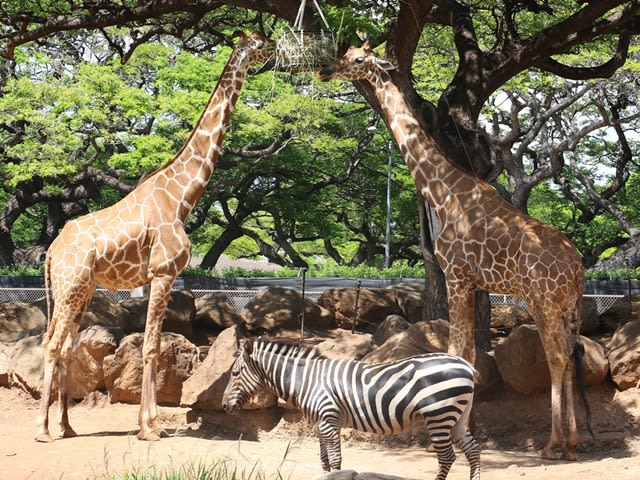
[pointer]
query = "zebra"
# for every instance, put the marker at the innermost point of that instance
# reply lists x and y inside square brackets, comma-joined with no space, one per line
[387,398]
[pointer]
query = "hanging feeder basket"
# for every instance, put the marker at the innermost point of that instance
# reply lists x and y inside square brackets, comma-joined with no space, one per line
[304,50]
[301,50]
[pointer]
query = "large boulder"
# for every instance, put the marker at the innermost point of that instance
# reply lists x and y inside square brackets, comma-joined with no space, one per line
[93,344]
[346,345]
[18,319]
[123,369]
[389,327]
[178,316]
[214,311]
[6,353]
[26,367]
[102,311]
[419,338]
[374,305]
[522,362]
[624,355]
[410,298]
[275,308]
[204,389]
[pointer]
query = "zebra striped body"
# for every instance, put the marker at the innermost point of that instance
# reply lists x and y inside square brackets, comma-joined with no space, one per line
[434,389]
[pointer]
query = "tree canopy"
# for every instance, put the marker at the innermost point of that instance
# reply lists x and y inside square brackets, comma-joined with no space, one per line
[537,97]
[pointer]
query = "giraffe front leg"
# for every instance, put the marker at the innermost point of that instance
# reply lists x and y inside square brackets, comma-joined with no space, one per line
[66,431]
[51,345]
[159,294]
[461,302]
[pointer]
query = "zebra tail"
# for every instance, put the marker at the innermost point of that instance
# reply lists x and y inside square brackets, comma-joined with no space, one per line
[578,354]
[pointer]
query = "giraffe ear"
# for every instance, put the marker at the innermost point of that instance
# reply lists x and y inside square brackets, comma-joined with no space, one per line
[385,64]
[366,46]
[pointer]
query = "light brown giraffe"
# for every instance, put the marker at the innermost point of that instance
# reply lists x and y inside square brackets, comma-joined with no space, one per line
[138,240]
[485,243]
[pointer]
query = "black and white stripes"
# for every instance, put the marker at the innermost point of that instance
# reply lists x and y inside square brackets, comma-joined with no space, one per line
[435,389]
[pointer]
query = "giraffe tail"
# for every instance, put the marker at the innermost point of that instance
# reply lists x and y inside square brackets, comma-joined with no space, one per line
[578,355]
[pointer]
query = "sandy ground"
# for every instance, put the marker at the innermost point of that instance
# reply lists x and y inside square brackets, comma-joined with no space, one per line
[510,429]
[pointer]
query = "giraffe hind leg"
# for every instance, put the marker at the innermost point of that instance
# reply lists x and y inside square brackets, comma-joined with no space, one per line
[66,431]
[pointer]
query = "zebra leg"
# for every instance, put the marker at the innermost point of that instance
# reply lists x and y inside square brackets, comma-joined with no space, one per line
[441,439]
[471,449]
[330,452]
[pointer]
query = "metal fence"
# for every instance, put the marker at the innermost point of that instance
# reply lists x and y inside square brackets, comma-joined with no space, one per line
[239,298]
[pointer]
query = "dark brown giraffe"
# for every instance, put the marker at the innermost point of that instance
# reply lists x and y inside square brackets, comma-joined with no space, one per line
[138,240]
[485,244]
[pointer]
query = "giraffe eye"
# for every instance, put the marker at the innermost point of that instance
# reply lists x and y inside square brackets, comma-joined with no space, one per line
[259,44]
[359,59]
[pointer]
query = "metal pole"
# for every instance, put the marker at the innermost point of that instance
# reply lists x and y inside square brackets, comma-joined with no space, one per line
[355,307]
[304,281]
[387,237]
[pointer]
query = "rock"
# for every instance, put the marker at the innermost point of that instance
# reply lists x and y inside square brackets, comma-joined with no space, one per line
[523,364]
[6,353]
[410,298]
[624,355]
[204,389]
[374,305]
[421,337]
[488,374]
[102,311]
[18,318]
[346,345]
[26,369]
[506,317]
[389,327]
[178,317]
[215,311]
[276,308]
[85,367]
[123,369]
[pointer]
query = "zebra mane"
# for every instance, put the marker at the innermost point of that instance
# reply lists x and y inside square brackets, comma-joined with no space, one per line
[283,347]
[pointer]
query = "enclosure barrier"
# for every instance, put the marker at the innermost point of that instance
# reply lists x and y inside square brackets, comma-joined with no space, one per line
[239,298]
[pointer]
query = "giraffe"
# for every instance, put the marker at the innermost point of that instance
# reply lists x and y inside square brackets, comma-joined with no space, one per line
[485,244]
[138,240]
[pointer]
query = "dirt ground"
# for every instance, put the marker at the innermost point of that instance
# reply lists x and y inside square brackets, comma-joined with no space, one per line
[511,428]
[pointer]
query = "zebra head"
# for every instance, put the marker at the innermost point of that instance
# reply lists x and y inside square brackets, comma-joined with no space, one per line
[244,380]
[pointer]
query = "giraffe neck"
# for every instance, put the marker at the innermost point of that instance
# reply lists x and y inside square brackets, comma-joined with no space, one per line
[435,175]
[186,176]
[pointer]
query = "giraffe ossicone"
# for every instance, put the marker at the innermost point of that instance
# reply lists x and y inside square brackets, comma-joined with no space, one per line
[485,244]
[138,240]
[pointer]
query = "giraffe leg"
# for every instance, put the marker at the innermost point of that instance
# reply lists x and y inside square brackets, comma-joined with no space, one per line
[159,294]
[50,355]
[63,381]
[557,358]
[462,302]
[573,439]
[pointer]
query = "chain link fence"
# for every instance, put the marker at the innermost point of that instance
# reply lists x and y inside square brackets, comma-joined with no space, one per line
[239,298]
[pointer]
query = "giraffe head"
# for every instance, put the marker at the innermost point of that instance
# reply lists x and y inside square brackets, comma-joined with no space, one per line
[255,48]
[357,64]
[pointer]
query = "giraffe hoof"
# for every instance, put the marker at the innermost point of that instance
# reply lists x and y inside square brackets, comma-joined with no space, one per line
[570,455]
[67,433]
[548,454]
[43,438]
[148,436]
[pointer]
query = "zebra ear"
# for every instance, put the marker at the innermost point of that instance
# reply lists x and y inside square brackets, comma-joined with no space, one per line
[247,346]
